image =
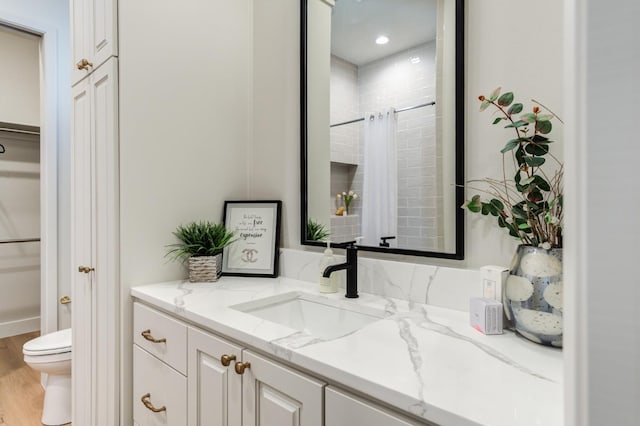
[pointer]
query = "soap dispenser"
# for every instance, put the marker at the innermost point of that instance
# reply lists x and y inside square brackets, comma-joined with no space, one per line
[330,284]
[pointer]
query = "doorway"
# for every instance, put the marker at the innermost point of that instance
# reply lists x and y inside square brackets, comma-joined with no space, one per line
[47,26]
[19,182]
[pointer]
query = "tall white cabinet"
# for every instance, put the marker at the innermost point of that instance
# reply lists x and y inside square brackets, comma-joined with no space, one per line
[95,214]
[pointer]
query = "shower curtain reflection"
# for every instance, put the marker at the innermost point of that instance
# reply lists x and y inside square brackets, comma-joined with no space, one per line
[380,183]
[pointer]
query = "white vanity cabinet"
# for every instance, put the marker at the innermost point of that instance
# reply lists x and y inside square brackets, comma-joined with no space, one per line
[183,375]
[345,409]
[187,376]
[93,35]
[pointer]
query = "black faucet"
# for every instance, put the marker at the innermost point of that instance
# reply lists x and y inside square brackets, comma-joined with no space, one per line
[384,242]
[351,265]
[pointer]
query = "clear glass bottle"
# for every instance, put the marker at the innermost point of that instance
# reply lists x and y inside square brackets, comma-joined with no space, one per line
[330,284]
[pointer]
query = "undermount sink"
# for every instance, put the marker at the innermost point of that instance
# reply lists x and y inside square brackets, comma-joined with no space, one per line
[314,315]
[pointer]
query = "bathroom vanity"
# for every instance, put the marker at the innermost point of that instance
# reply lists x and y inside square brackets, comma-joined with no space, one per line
[229,356]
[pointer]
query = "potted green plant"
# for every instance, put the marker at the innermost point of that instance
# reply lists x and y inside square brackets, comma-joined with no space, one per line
[201,244]
[316,231]
[527,201]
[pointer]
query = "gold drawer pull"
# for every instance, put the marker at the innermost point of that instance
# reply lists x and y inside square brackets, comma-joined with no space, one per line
[65,300]
[147,335]
[85,269]
[226,359]
[145,400]
[83,64]
[241,366]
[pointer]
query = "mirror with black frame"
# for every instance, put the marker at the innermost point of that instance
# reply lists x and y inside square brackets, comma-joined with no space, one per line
[382,125]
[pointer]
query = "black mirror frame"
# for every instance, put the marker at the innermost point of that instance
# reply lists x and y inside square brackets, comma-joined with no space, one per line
[458,254]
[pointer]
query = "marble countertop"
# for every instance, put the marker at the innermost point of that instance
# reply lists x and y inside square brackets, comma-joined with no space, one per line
[421,359]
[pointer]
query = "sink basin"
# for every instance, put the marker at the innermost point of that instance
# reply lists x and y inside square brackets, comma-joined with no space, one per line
[314,315]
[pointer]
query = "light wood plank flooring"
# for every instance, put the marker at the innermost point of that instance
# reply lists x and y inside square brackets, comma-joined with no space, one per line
[21,394]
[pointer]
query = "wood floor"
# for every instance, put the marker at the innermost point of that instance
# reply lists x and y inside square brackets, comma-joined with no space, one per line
[21,394]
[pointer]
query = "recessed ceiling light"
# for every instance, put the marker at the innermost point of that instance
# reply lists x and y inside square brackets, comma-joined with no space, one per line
[415,60]
[382,40]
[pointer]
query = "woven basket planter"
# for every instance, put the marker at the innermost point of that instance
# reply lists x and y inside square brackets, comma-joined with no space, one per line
[205,269]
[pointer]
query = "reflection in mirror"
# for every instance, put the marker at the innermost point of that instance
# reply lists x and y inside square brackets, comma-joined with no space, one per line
[382,120]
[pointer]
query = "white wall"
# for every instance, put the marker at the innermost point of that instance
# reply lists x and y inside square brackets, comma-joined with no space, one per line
[185,126]
[518,47]
[275,165]
[602,338]
[53,16]
[19,77]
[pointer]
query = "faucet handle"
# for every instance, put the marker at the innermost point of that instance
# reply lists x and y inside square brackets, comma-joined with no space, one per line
[346,244]
[350,244]
[384,242]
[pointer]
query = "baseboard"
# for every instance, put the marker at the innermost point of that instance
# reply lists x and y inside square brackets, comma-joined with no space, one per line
[20,326]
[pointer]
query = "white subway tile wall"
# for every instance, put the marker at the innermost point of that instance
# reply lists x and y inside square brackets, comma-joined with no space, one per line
[401,80]
[345,106]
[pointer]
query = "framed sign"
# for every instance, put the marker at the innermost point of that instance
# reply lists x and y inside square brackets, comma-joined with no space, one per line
[256,228]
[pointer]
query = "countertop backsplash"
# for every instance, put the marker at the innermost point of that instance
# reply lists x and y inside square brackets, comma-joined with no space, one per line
[434,285]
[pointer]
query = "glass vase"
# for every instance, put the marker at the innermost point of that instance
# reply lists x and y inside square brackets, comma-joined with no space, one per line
[533,294]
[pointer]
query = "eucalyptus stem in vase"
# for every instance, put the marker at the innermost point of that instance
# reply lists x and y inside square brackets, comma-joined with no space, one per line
[529,205]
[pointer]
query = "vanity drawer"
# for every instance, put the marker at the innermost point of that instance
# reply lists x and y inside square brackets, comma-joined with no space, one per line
[161,387]
[150,327]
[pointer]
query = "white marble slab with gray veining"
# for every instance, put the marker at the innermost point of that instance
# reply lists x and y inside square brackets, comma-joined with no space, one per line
[419,358]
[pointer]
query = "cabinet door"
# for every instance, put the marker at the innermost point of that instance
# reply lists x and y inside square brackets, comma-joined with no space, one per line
[156,386]
[105,247]
[81,242]
[343,409]
[93,34]
[94,230]
[79,35]
[274,395]
[215,390]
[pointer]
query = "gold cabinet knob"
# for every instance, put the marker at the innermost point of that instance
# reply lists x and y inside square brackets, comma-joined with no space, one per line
[241,366]
[65,300]
[84,64]
[147,335]
[147,403]
[226,359]
[86,269]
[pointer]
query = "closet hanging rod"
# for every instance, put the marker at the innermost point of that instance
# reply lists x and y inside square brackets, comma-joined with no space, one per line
[20,240]
[398,110]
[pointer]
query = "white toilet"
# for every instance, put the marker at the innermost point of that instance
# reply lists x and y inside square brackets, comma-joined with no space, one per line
[51,354]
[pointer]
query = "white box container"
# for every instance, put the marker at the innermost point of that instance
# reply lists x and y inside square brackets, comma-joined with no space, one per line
[494,278]
[485,315]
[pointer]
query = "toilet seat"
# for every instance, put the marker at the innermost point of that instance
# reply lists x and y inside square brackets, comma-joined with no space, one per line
[58,342]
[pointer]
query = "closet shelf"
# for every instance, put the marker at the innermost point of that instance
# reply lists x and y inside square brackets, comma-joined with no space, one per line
[19,128]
